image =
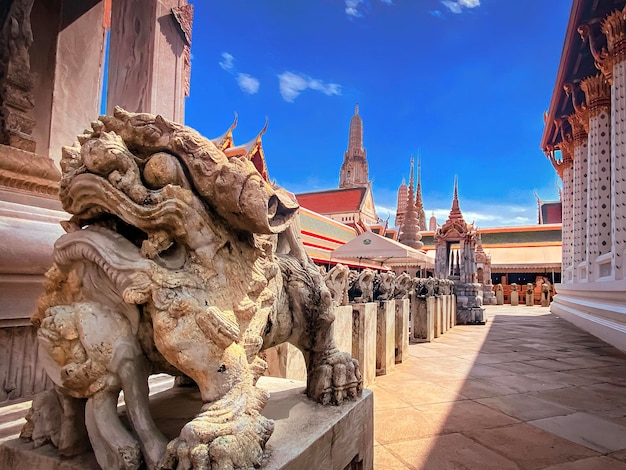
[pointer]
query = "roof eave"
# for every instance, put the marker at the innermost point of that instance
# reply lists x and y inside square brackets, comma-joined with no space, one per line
[570,36]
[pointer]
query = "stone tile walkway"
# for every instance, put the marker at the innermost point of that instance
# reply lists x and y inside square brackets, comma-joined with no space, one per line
[526,391]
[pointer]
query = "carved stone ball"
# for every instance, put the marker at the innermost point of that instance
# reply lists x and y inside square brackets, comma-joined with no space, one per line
[163,169]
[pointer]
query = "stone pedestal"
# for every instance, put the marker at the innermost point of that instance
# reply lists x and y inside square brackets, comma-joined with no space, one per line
[431,306]
[342,328]
[306,434]
[285,361]
[514,298]
[489,297]
[499,295]
[452,310]
[385,337]
[423,328]
[469,304]
[445,313]
[439,313]
[530,295]
[402,330]
[364,339]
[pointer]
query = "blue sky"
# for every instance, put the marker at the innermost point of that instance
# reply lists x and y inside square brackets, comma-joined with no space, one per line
[465,82]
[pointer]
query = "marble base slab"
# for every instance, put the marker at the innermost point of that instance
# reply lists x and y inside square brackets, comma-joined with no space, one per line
[306,434]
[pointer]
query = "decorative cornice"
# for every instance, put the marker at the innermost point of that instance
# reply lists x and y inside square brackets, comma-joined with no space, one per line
[614,28]
[558,165]
[28,172]
[597,93]
[581,112]
[602,58]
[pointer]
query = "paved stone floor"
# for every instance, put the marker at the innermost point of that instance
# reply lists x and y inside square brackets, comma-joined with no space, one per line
[526,391]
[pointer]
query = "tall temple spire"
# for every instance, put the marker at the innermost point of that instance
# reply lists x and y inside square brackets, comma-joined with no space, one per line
[455,211]
[409,232]
[403,194]
[354,171]
[419,205]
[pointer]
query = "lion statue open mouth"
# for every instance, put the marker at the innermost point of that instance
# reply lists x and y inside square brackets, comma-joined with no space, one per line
[177,259]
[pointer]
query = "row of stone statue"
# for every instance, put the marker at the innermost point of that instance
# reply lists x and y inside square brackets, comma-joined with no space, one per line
[351,286]
[546,293]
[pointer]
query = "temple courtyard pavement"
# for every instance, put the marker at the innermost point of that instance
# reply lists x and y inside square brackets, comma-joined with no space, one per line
[525,391]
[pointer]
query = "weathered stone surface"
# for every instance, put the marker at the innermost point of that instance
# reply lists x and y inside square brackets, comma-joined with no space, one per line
[146,42]
[499,295]
[16,81]
[364,339]
[402,330]
[177,259]
[361,288]
[337,282]
[514,295]
[530,295]
[341,329]
[423,320]
[285,361]
[305,434]
[385,337]
[431,305]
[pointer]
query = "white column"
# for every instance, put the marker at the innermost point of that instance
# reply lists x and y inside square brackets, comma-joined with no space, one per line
[618,169]
[567,220]
[614,27]
[579,216]
[597,92]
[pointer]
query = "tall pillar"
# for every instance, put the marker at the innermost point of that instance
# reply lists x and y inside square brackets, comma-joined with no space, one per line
[565,170]
[598,95]
[614,27]
[579,219]
[148,55]
[16,80]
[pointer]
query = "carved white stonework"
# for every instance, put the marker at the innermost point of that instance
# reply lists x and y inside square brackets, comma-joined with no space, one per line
[176,259]
[618,169]
[599,188]
[568,223]
[580,208]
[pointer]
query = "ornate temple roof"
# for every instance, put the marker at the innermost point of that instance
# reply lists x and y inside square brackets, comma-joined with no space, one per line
[333,201]
[252,150]
[455,228]
[225,140]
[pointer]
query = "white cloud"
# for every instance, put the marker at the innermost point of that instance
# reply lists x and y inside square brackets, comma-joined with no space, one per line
[456,6]
[248,83]
[485,216]
[292,84]
[228,62]
[354,8]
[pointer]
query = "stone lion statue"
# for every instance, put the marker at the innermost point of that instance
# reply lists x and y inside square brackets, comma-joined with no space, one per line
[384,285]
[361,288]
[402,286]
[337,282]
[176,259]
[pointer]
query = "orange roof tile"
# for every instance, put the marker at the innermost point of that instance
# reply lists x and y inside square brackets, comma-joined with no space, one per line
[333,201]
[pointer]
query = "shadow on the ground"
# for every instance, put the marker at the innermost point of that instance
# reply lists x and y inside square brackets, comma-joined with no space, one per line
[527,390]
